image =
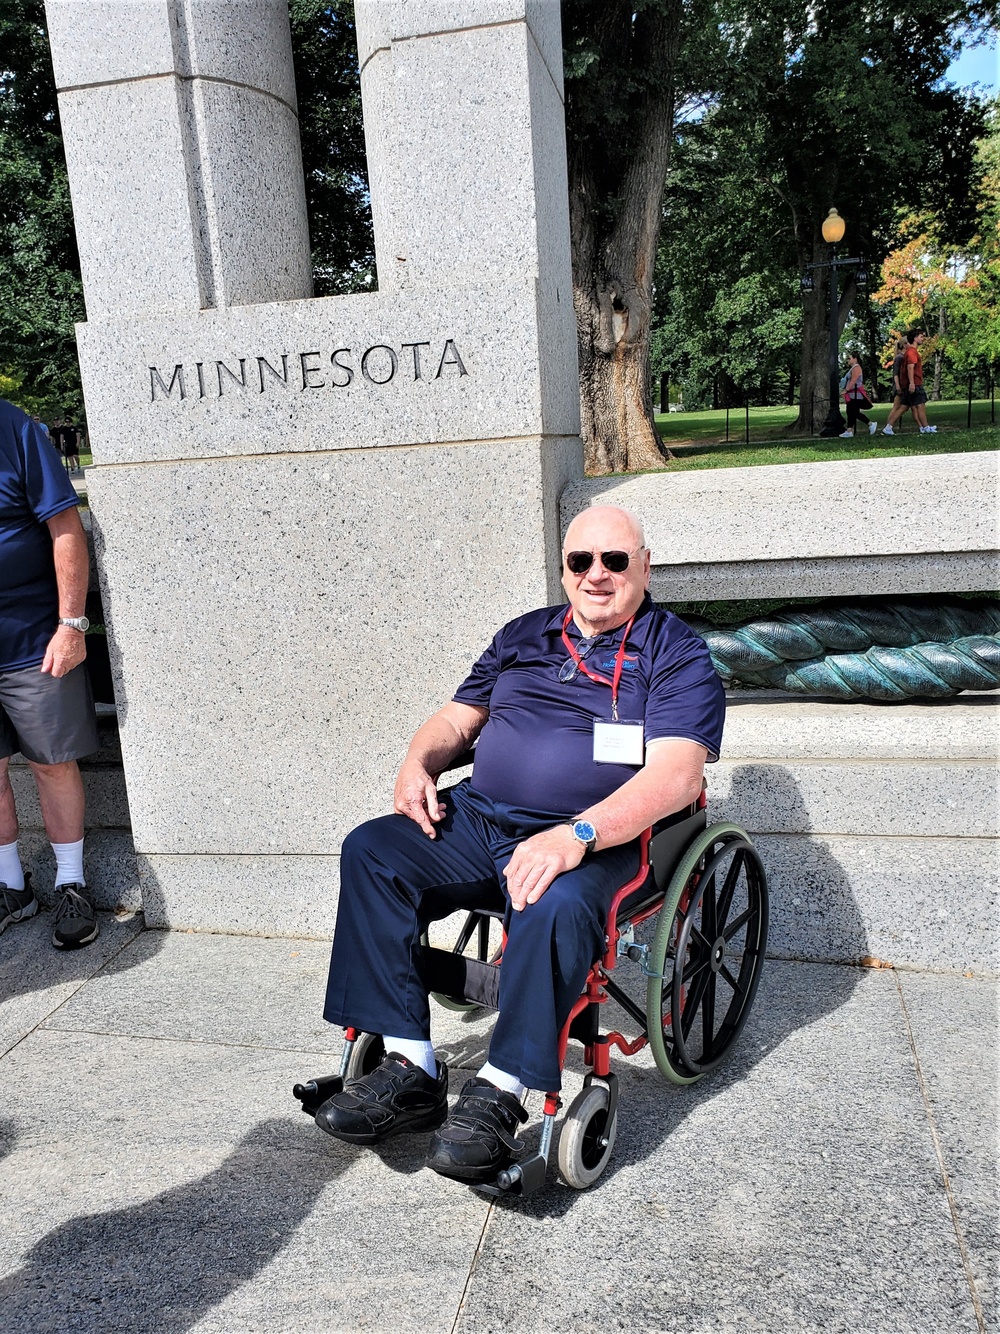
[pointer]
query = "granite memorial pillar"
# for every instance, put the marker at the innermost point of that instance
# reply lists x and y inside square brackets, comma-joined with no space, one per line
[311,513]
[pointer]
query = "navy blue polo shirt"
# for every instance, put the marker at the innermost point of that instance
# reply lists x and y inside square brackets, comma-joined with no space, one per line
[536,750]
[33,487]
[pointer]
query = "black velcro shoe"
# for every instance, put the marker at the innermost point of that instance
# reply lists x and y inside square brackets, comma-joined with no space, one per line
[17,905]
[397,1096]
[75,919]
[478,1141]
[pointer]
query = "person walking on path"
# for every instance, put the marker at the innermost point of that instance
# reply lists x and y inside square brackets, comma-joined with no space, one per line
[856,398]
[46,705]
[898,407]
[911,393]
[914,394]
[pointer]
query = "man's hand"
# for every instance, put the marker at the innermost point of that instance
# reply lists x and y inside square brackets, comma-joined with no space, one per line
[537,861]
[416,796]
[66,649]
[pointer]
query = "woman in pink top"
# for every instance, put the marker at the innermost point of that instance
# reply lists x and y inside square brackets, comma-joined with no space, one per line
[856,398]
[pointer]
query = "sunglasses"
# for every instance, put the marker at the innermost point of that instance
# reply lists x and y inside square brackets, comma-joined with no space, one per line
[616,562]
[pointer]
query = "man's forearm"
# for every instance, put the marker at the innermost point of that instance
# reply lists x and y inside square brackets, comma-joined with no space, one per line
[653,793]
[72,562]
[442,739]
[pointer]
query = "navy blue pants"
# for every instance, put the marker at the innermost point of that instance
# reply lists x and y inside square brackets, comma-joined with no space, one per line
[394,881]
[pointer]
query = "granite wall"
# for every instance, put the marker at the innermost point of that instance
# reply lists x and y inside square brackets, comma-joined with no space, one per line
[310,515]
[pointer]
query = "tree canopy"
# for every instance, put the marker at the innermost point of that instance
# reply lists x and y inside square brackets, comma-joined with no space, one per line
[799,108]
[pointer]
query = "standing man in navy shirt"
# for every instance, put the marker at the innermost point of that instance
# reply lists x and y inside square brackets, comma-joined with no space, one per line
[46,705]
[594,720]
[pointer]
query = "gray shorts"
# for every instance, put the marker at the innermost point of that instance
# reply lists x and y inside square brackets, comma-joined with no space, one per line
[48,719]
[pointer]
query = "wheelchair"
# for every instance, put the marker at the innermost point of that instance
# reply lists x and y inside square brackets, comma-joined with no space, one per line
[701,894]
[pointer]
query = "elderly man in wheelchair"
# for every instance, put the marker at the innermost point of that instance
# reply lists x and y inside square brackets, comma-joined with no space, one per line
[594,721]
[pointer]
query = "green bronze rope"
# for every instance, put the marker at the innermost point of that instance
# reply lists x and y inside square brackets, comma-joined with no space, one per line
[907,648]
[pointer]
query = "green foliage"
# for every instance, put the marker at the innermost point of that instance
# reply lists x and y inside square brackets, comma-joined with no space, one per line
[39,266]
[786,111]
[325,52]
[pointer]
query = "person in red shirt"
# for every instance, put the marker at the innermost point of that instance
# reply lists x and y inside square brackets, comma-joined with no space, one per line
[913,393]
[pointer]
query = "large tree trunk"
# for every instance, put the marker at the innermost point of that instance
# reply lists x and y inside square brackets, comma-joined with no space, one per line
[814,387]
[615,210]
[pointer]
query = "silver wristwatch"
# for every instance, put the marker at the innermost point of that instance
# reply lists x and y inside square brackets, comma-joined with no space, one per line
[76,623]
[585,833]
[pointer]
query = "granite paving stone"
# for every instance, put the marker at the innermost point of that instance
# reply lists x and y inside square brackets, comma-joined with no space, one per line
[954,1027]
[244,991]
[36,978]
[158,1177]
[796,1188]
[164,1187]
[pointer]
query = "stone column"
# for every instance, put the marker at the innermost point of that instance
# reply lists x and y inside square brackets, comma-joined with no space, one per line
[312,514]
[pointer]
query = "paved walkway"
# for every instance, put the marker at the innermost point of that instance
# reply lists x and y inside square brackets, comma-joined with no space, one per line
[838,1175]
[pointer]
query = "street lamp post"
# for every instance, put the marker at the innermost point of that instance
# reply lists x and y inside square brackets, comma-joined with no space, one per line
[833,234]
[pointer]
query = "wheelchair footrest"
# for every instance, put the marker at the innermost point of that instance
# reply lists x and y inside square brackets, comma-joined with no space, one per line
[314,1092]
[522,1178]
[460,978]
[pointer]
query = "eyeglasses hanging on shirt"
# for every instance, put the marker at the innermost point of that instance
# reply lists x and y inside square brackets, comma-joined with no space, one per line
[616,741]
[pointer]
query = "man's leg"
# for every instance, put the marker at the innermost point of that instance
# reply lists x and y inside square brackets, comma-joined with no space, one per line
[394,882]
[551,946]
[17,901]
[55,725]
[60,794]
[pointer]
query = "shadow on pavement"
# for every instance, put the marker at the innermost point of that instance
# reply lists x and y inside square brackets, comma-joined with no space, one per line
[158,1267]
[29,962]
[790,998]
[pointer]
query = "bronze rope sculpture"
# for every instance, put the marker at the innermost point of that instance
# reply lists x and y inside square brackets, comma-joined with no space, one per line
[912,647]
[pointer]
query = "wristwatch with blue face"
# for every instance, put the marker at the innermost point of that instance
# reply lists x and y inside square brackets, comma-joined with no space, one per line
[585,833]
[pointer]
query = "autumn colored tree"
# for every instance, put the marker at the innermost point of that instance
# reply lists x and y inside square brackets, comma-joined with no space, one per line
[952,290]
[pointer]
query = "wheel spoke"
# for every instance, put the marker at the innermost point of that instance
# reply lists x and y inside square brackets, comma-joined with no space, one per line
[729,888]
[705,942]
[741,921]
[724,970]
[693,1002]
[708,1017]
[696,964]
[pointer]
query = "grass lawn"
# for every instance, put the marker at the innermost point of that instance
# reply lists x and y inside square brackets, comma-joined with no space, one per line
[698,439]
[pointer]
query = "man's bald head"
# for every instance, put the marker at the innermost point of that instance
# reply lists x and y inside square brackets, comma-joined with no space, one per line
[604,519]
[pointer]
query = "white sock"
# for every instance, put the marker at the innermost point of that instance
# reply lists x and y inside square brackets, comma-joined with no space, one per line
[69,863]
[11,873]
[418,1051]
[509,1083]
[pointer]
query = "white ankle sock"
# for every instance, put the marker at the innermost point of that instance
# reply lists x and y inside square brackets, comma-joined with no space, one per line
[418,1051]
[11,873]
[509,1083]
[69,863]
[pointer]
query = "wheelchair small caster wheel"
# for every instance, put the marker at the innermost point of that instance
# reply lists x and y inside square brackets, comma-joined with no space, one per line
[366,1054]
[587,1139]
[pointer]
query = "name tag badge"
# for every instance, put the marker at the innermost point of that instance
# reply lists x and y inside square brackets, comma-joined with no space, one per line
[618,743]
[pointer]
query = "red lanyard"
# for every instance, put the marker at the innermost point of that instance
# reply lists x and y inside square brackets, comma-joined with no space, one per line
[581,666]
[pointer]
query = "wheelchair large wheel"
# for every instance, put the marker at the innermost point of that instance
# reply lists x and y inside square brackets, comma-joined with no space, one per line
[366,1054]
[707,954]
[586,1140]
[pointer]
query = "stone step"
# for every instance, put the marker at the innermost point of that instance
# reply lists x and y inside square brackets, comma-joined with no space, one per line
[876,824]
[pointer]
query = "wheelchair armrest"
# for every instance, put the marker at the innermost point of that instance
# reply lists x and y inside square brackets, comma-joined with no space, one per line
[460,761]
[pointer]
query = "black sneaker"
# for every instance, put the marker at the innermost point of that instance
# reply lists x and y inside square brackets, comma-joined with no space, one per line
[477,1141]
[17,905]
[397,1096]
[75,919]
